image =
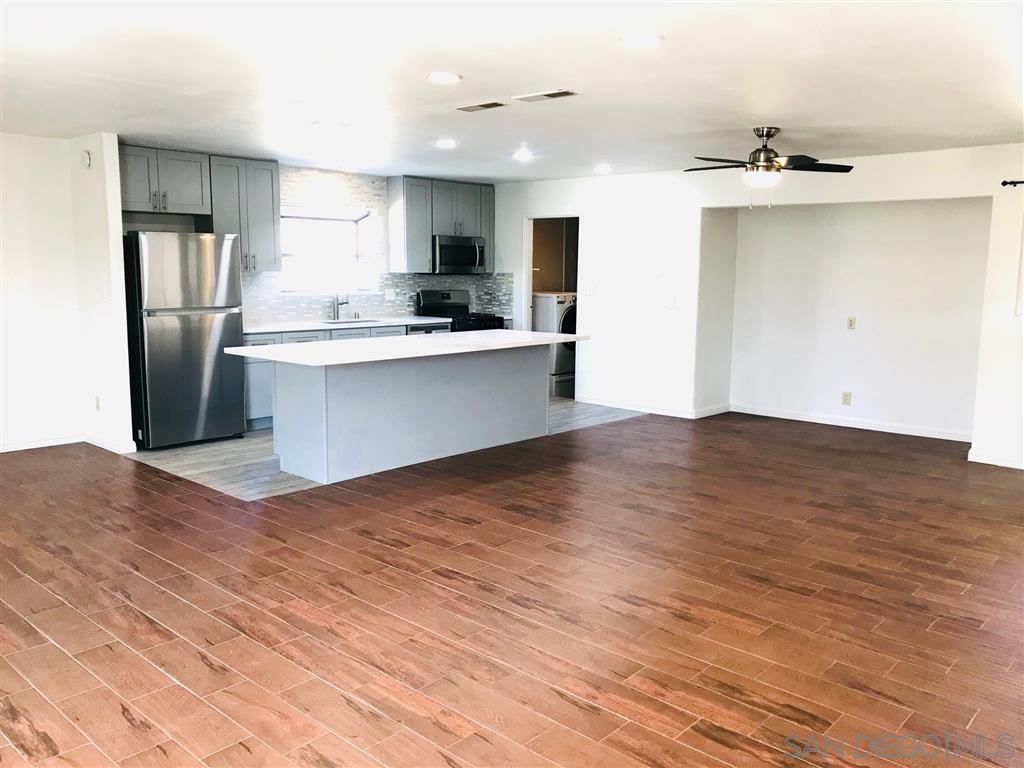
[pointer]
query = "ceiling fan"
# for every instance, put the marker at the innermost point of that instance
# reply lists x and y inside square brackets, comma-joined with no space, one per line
[764,166]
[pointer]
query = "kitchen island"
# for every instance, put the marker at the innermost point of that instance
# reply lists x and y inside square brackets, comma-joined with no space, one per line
[345,409]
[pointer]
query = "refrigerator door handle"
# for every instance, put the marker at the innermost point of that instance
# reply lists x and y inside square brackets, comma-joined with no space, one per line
[192,311]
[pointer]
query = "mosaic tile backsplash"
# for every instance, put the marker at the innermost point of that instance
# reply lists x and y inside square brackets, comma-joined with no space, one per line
[268,296]
[263,301]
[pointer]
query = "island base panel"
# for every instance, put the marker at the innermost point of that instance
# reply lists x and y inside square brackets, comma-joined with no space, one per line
[365,418]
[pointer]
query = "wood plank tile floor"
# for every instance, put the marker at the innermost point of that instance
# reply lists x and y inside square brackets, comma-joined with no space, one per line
[736,591]
[249,469]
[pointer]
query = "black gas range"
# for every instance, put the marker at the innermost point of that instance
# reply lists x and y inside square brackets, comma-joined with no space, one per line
[454,304]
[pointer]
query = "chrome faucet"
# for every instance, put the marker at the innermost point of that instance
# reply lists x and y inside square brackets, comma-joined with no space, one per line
[338,304]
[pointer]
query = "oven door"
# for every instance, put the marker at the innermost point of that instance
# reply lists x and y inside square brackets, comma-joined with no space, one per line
[459,255]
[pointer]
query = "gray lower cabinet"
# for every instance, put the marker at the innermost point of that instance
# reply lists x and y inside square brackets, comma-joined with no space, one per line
[350,333]
[247,201]
[259,379]
[298,337]
[391,330]
[164,180]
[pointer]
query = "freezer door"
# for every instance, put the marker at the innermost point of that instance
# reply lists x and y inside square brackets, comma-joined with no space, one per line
[194,391]
[179,270]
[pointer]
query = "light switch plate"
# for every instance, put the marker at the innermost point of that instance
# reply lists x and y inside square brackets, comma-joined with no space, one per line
[851,323]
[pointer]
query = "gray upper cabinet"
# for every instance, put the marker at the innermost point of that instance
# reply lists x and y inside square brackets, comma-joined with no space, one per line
[184,179]
[247,201]
[487,223]
[419,208]
[230,206]
[165,181]
[445,204]
[467,209]
[139,188]
[410,223]
[263,197]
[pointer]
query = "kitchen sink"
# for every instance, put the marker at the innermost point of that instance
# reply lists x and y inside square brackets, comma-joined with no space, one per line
[345,322]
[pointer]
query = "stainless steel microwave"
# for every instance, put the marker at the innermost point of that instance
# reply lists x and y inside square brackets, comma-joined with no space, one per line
[455,255]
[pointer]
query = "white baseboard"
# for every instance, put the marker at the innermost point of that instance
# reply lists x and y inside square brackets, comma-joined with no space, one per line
[118,446]
[635,407]
[979,457]
[712,410]
[25,445]
[871,424]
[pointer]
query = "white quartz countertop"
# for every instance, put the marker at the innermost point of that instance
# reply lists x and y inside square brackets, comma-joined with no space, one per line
[354,351]
[289,326]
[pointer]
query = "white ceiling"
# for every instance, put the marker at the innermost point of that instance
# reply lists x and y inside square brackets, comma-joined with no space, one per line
[343,85]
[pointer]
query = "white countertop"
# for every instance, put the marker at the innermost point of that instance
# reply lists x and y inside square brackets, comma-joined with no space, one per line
[353,351]
[289,326]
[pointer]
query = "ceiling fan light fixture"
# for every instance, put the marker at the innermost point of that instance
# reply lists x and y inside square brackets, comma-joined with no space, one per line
[762,178]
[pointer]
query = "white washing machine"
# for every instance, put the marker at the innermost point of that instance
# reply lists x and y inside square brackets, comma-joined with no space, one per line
[556,313]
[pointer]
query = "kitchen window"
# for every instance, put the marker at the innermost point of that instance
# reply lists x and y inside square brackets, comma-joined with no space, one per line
[322,255]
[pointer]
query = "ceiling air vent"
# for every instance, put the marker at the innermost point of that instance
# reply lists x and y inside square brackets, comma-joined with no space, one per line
[545,95]
[479,107]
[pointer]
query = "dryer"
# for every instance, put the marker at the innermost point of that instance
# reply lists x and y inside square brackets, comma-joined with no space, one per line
[556,313]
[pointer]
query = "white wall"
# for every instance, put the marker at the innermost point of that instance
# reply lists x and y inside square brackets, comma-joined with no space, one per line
[639,248]
[640,254]
[912,273]
[717,287]
[40,400]
[96,205]
[62,327]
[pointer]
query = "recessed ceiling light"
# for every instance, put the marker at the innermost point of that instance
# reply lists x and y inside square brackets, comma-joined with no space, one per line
[443,78]
[446,143]
[524,154]
[640,41]
[602,168]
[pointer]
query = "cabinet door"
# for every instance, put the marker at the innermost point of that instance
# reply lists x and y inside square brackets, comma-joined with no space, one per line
[487,224]
[395,330]
[259,390]
[298,337]
[139,188]
[263,198]
[418,224]
[443,206]
[230,215]
[467,209]
[184,181]
[350,333]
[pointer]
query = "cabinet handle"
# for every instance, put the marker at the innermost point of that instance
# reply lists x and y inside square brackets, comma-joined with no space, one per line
[156,205]
[245,262]
[164,196]
[253,254]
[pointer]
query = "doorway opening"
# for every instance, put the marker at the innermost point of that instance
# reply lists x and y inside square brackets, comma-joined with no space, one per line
[555,259]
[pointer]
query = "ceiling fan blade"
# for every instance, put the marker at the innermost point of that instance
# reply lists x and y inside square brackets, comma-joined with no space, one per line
[720,160]
[790,160]
[820,167]
[716,167]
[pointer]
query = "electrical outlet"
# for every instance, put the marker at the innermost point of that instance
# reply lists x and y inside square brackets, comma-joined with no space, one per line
[851,323]
[98,403]
[847,398]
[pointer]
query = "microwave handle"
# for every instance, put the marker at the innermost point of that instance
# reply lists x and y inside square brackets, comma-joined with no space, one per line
[436,256]
[477,262]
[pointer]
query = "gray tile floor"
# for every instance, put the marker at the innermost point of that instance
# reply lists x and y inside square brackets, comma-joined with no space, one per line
[248,469]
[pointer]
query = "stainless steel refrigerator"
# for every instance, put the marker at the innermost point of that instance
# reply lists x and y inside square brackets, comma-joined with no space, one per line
[184,299]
